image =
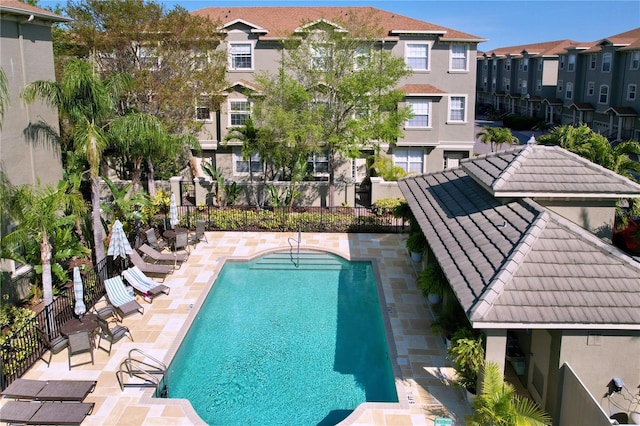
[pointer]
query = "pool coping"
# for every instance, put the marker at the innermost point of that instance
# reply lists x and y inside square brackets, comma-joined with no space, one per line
[148,394]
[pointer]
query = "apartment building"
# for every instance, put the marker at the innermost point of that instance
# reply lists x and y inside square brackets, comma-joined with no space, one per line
[440,90]
[568,82]
[600,83]
[26,55]
[522,79]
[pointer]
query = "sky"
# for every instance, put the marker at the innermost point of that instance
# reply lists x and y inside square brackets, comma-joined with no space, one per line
[502,22]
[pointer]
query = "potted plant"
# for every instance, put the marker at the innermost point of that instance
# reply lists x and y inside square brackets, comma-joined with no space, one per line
[432,282]
[467,356]
[416,244]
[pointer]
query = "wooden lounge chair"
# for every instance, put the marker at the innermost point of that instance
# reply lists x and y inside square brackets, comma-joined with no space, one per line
[45,413]
[144,285]
[120,298]
[155,270]
[166,258]
[50,390]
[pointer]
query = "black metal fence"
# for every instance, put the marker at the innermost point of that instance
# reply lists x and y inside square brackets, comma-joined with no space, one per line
[305,219]
[22,348]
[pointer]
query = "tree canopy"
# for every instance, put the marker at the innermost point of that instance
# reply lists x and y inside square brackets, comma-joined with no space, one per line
[351,78]
[171,55]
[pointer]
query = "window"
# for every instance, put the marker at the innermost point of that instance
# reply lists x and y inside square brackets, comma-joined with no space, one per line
[493,84]
[318,163]
[571,63]
[238,112]
[458,57]
[240,56]
[525,64]
[635,60]
[539,64]
[242,166]
[523,87]
[421,109]
[507,65]
[362,57]
[494,66]
[569,91]
[199,60]
[538,85]
[560,86]
[507,84]
[631,92]
[604,94]
[457,108]
[149,59]
[592,61]
[606,62]
[409,159]
[484,82]
[591,88]
[417,56]
[562,61]
[452,158]
[203,111]
[320,56]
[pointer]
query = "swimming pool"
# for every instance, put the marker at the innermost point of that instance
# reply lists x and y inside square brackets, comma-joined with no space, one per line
[285,341]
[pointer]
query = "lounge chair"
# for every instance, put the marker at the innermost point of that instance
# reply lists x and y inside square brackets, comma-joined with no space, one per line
[45,413]
[152,239]
[112,335]
[158,257]
[144,285]
[120,298]
[199,235]
[50,390]
[160,271]
[55,346]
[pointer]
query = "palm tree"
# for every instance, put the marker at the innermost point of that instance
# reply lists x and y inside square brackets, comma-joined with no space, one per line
[85,104]
[4,95]
[248,135]
[498,404]
[496,136]
[138,136]
[39,212]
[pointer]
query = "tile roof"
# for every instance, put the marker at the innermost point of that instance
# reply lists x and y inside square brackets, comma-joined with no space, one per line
[18,7]
[420,89]
[549,171]
[535,49]
[511,262]
[281,22]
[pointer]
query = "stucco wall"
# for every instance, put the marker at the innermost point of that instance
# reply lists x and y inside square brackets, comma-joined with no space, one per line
[26,55]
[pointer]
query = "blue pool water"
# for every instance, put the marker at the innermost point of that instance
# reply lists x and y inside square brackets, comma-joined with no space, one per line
[280,344]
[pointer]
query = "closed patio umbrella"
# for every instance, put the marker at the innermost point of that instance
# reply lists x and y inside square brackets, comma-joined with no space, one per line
[78,291]
[173,211]
[118,245]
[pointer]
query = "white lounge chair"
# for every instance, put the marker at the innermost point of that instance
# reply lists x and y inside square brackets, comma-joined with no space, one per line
[144,285]
[120,298]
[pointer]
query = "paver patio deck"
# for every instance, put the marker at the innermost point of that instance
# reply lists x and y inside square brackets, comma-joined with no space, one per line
[423,374]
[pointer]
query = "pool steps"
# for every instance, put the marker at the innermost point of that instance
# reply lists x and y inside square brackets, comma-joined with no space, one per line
[303,261]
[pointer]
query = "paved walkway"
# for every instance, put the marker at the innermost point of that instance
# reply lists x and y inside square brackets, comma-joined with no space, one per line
[423,374]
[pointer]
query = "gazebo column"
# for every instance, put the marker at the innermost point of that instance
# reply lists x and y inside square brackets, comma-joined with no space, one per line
[496,350]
